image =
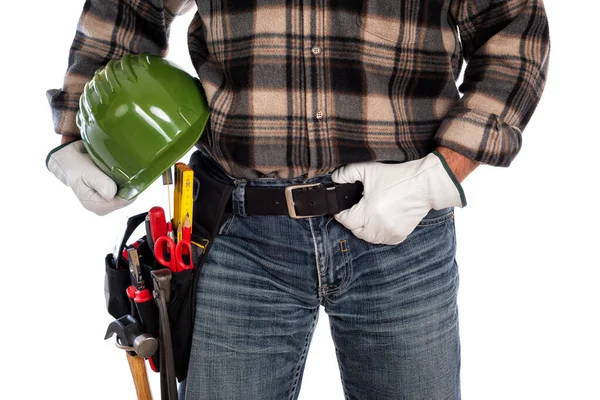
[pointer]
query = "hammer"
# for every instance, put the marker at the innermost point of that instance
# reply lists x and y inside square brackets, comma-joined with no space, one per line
[137,365]
[138,347]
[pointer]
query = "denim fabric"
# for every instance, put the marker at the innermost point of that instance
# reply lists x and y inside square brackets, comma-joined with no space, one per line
[392,309]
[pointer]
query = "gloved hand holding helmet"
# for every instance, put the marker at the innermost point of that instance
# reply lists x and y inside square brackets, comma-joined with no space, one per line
[137,117]
[73,166]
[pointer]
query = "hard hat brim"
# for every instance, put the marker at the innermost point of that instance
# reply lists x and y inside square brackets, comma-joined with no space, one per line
[147,176]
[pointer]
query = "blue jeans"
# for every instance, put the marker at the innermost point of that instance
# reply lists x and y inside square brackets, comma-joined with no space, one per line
[392,309]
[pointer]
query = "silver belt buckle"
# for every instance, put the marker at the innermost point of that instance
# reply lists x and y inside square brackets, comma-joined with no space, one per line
[289,199]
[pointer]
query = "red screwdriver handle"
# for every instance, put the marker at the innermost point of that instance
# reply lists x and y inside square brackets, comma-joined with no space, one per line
[158,222]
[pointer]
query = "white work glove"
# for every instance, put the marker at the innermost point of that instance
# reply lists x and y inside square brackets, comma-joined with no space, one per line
[397,196]
[73,166]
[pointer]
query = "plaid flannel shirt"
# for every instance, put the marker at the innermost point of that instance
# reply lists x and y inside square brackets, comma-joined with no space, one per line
[301,87]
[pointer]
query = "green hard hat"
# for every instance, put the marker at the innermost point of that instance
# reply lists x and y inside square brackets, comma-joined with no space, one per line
[138,116]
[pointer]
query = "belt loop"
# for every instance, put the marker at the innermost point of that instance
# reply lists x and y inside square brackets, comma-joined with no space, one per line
[238,203]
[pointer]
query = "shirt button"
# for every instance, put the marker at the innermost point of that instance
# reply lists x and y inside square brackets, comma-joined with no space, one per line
[319,115]
[316,50]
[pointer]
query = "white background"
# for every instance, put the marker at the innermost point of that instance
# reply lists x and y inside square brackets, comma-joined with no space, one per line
[527,242]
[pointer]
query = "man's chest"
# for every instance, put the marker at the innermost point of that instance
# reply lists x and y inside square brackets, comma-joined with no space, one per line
[386,20]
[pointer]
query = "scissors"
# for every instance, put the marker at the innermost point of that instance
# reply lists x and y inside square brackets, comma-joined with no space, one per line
[164,246]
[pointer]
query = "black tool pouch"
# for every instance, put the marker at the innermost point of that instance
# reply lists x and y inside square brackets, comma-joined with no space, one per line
[212,193]
[118,278]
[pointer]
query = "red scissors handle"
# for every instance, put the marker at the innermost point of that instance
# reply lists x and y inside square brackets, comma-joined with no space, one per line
[184,247]
[165,245]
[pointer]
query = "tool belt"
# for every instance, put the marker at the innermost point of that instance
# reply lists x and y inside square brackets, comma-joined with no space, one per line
[212,206]
[210,210]
[296,201]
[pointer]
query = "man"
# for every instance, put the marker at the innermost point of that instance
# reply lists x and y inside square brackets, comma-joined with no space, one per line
[330,93]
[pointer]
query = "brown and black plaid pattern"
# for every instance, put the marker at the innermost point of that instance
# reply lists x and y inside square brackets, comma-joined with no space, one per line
[302,87]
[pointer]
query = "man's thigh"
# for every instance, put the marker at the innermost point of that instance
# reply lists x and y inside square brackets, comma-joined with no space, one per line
[395,325]
[256,311]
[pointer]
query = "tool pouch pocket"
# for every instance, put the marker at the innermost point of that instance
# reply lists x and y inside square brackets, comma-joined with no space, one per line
[115,286]
[181,309]
[117,277]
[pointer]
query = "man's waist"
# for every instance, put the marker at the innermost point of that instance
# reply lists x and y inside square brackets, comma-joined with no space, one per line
[297,197]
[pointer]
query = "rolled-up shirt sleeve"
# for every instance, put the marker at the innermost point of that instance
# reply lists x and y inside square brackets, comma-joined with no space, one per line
[506,46]
[109,29]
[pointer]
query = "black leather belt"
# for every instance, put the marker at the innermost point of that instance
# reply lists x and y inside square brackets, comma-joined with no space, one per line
[302,201]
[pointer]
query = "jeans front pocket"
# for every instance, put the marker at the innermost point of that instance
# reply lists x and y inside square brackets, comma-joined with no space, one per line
[435,217]
[226,224]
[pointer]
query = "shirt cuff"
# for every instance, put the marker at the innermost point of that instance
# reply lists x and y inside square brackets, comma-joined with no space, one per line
[64,107]
[480,136]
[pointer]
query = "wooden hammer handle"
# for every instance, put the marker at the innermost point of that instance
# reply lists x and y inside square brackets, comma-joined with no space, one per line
[137,365]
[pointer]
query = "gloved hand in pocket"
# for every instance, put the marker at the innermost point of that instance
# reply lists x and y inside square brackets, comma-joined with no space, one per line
[72,165]
[397,196]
